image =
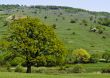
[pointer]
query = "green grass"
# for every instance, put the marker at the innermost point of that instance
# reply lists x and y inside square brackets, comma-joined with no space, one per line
[24,75]
[93,42]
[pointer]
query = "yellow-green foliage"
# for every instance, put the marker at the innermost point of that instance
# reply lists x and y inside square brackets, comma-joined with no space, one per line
[30,38]
[81,55]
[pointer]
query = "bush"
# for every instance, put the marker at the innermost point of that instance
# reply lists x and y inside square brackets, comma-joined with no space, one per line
[54,26]
[78,69]
[8,67]
[100,29]
[72,21]
[70,58]
[62,68]
[73,33]
[45,17]
[106,56]
[68,29]
[104,37]
[38,70]
[19,68]
[63,18]
[94,58]
[104,21]
[56,19]
[81,56]
[84,22]
[106,70]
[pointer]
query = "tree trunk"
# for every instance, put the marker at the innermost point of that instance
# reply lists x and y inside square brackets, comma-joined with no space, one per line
[28,67]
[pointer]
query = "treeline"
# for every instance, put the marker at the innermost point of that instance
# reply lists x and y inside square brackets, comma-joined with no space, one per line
[67,9]
[7,7]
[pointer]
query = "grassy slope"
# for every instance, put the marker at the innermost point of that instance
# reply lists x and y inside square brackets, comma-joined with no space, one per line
[23,75]
[82,39]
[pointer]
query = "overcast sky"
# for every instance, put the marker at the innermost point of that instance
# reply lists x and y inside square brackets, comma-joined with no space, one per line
[93,5]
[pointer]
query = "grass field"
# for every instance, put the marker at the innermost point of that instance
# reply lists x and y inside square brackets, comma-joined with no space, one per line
[24,75]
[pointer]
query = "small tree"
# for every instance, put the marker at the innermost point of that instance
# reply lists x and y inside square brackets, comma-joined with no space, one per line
[29,38]
[81,56]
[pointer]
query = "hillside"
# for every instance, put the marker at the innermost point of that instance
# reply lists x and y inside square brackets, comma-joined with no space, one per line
[73,26]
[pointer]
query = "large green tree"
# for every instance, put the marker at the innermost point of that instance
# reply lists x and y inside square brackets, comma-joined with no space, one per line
[30,39]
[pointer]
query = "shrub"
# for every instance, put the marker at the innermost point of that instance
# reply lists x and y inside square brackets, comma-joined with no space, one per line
[45,17]
[104,21]
[94,58]
[100,29]
[68,29]
[19,68]
[106,70]
[72,21]
[8,67]
[56,19]
[84,22]
[106,56]
[91,18]
[38,70]
[81,56]
[104,37]
[5,23]
[62,68]
[69,58]
[78,69]
[73,33]
[63,18]
[54,26]
[67,66]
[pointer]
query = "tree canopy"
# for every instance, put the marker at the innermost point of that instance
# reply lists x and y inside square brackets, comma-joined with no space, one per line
[31,39]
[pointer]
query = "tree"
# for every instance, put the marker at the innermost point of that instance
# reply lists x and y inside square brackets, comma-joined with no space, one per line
[29,39]
[81,56]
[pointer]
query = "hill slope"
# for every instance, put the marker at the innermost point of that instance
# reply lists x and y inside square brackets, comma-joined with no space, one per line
[71,25]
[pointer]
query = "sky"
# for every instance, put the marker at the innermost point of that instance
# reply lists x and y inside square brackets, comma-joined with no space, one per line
[92,5]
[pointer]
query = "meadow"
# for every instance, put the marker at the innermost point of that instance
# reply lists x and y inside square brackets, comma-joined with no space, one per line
[24,75]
